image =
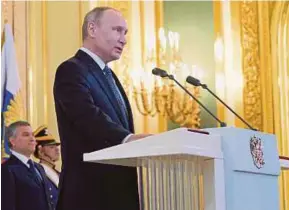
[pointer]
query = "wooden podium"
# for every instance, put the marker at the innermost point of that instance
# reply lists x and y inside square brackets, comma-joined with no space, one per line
[229,169]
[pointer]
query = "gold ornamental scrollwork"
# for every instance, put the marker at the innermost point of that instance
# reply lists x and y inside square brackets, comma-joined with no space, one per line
[251,63]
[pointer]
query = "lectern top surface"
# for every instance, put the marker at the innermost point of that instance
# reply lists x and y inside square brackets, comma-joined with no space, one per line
[176,143]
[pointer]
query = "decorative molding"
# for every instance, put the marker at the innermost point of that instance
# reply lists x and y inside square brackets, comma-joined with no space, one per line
[265,66]
[279,20]
[251,63]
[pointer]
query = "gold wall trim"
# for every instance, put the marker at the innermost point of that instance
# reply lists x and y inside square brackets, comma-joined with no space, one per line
[251,64]
[31,56]
[219,60]
[265,67]
[280,63]
[143,50]
[44,61]
[228,60]
[142,30]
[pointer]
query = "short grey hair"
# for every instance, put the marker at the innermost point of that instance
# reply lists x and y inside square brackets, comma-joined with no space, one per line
[11,130]
[91,16]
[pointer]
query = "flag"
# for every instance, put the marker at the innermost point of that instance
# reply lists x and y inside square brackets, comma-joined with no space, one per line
[10,85]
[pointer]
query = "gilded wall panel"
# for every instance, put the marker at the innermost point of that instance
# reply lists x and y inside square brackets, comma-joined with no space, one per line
[264,40]
[265,66]
[279,31]
[251,64]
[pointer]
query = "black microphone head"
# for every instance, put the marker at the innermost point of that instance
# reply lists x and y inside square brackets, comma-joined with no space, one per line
[194,81]
[159,72]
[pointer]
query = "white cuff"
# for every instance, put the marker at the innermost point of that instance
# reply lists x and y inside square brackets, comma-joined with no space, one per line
[126,138]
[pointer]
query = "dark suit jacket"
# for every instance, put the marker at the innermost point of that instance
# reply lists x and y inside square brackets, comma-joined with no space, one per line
[20,189]
[89,119]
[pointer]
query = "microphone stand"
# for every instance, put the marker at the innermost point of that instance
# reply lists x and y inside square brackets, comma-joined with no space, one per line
[222,124]
[197,82]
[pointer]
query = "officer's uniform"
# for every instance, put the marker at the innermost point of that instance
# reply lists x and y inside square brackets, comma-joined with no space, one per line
[43,138]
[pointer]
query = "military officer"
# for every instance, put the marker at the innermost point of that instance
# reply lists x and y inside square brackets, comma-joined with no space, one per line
[47,151]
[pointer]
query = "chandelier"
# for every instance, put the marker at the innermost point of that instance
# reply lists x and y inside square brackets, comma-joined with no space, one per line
[154,95]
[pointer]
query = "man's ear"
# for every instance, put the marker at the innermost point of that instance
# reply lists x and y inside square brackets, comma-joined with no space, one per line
[12,141]
[39,147]
[91,29]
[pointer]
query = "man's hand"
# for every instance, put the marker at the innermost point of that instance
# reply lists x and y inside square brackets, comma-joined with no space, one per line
[135,137]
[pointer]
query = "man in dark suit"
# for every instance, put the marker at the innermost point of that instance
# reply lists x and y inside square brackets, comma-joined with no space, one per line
[93,113]
[24,184]
[47,151]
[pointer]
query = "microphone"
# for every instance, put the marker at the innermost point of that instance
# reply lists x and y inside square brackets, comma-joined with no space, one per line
[196,82]
[160,72]
[163,73]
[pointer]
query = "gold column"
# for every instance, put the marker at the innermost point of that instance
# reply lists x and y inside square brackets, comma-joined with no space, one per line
[266,81]
[228,57]
[251,63]
[219,57]
[279,30]
[162,121]
[36,71]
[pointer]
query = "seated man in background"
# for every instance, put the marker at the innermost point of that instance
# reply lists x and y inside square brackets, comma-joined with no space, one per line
[47,151]
[24,183]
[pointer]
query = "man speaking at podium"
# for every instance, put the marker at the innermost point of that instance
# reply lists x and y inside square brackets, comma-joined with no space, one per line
[93,113]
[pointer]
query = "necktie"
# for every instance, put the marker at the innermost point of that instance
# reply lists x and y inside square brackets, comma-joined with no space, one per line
[34,171]
[111,82]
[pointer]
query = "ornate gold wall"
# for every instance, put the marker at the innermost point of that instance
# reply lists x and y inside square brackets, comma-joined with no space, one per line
[255,41]
[279,31]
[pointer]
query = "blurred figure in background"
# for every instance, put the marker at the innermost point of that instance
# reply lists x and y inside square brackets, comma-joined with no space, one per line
[47,151]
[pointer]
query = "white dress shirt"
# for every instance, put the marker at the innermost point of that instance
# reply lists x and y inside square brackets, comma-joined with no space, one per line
[97,59]
[24,160]
[101,64]
[21,157]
